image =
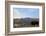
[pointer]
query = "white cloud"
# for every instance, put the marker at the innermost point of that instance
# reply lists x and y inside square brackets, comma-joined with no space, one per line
[17,14]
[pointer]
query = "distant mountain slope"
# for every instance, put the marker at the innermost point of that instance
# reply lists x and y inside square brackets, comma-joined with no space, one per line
[26,21]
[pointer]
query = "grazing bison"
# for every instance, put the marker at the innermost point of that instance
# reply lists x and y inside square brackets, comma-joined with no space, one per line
[35,23]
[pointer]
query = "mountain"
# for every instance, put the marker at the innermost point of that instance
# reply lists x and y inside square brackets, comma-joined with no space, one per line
[26,21]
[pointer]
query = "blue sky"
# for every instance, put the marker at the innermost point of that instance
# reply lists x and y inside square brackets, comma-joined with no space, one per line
[26,12]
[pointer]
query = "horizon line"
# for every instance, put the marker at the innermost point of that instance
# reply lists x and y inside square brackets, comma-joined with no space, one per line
[24,17]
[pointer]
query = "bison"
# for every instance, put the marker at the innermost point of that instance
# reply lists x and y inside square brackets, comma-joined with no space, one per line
[33,23]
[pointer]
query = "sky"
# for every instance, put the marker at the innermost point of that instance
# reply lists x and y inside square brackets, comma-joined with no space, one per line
[26,12]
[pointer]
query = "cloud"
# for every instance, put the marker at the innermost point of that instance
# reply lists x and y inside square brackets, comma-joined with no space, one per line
[16,14]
